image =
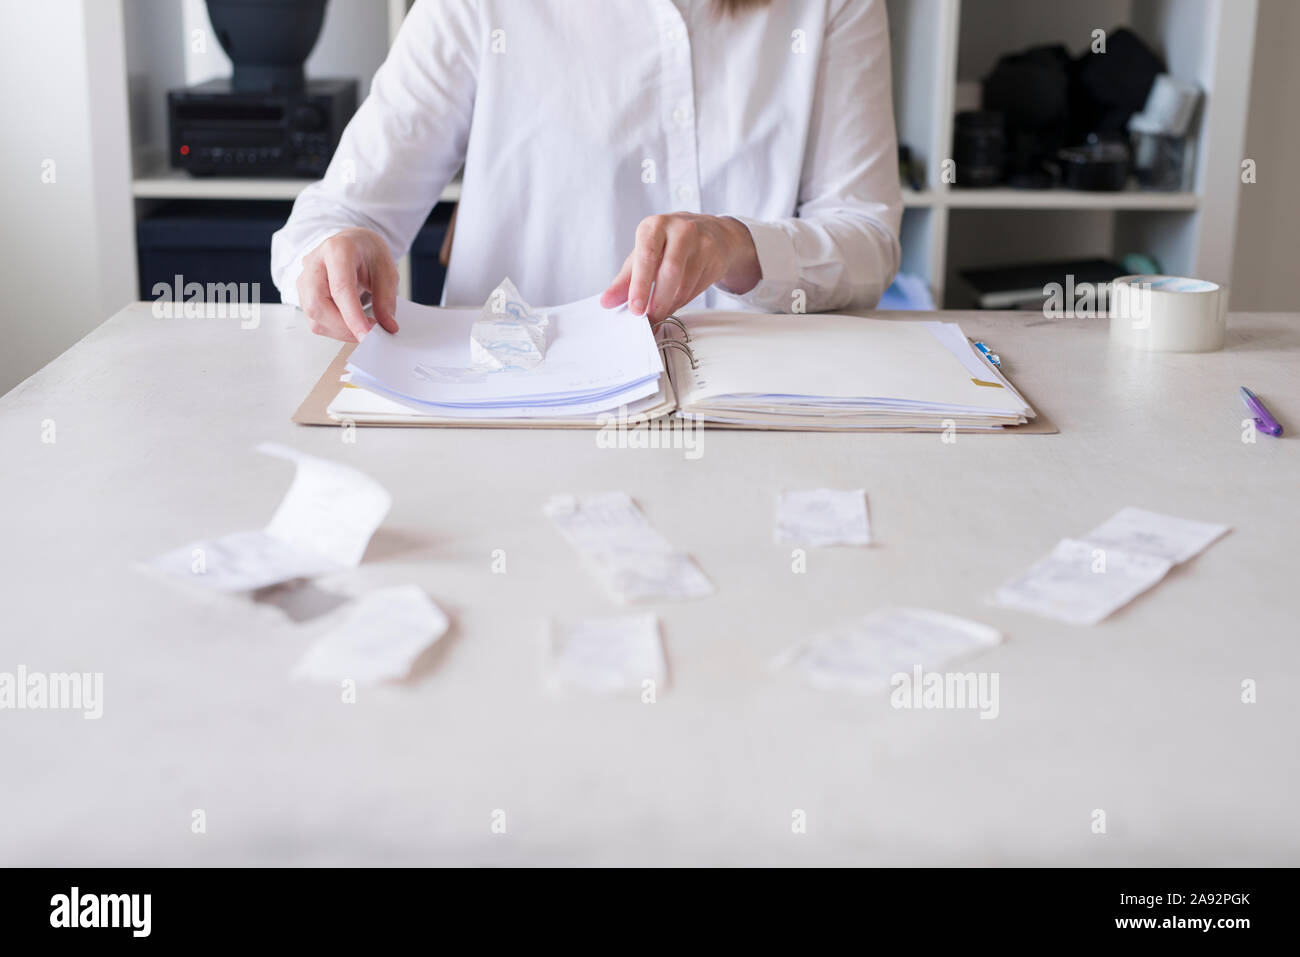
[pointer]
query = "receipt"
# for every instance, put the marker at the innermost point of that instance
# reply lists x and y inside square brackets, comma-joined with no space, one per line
[607,655]
[823,516]
[1081,583]
[864,654]
[323,525]
[507,335]
[1150,533]
[623,551]
[378,637]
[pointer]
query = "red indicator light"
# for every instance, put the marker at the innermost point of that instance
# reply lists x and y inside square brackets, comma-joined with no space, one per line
[185,151]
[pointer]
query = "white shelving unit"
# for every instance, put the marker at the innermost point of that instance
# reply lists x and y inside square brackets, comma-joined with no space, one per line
[175,184]
[937,45]
[1068,199]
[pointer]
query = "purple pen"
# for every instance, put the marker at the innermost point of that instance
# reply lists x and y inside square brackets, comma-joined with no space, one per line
[1264,420]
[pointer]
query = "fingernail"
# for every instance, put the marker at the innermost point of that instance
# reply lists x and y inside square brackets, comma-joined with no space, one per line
[637,307]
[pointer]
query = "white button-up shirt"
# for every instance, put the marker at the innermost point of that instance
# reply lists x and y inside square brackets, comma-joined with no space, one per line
[576,119]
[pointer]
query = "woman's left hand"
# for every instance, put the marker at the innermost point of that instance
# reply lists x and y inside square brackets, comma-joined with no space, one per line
[681,255]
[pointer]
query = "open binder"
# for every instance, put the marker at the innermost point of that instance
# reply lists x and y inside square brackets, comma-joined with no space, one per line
[814,372]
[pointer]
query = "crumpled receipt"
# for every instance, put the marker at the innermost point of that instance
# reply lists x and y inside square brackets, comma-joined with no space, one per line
[507,336]
[323,525]
[376,638]
[607,655]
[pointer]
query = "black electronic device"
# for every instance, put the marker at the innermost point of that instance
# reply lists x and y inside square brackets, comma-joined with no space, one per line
[267,118]
[216,129]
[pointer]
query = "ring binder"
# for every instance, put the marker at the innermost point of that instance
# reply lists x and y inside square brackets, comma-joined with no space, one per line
[686,335]
[822,373]
[678,344]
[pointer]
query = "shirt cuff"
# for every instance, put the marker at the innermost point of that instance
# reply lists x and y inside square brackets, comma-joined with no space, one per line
[778,262]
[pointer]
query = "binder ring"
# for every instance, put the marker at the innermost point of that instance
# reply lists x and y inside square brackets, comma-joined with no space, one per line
[676,322]
[678,344]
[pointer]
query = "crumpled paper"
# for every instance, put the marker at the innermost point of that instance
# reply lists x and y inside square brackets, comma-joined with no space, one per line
[507,336]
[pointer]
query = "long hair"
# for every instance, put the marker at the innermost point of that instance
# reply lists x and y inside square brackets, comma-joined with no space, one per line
[734,7]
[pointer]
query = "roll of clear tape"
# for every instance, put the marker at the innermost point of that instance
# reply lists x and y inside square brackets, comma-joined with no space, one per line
[1168,313]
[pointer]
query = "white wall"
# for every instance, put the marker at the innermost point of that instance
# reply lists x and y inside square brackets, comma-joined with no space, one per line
[64,178]
[156,45]
[1268,225]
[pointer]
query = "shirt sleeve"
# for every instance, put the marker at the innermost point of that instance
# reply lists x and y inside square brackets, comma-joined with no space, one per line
[841,248]
[403,146]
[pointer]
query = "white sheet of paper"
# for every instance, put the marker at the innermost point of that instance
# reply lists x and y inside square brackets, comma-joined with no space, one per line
[901,364]
[323,524]
[591,353]
[607,655]
[1081,583]
[378,637]
[1150,533]
[822,516]
[622,549]
[864,654]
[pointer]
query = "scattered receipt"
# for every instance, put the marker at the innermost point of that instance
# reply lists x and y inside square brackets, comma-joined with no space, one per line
[864,654]
[623,551]
[378,638]
[1081,583]
[323,525]
[1084,582]
[607,655]
[507,335]
[823,516]
[1150,533]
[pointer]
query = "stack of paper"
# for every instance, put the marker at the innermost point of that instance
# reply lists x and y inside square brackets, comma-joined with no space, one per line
[840,373]
[597,359]
[816,372]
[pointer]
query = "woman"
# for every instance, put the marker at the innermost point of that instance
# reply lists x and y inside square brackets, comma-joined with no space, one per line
[744,150]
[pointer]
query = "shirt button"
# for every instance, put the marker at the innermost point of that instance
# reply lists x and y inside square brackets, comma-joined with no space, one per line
[684,194]
[682,116]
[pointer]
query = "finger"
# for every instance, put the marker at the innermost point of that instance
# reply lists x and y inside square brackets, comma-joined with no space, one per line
[616,294]
[383,297]
[313,285]
[326,320]
[323,319]
[650,240]
[346,293]
[672,271]
[330,324]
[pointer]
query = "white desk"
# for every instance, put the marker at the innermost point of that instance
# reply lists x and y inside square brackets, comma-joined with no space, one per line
[1140,716]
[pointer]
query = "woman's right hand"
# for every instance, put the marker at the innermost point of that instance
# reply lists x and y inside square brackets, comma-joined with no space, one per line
[336,273]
